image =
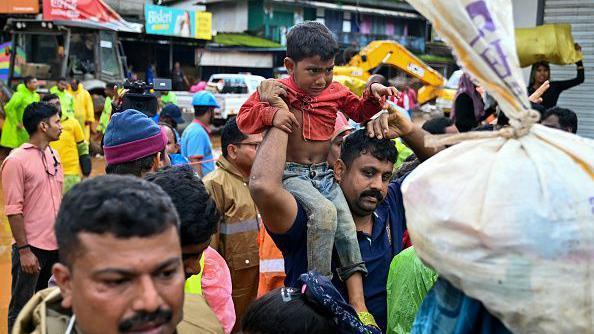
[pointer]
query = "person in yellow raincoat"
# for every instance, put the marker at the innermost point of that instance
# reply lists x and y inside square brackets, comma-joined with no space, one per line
[83,107]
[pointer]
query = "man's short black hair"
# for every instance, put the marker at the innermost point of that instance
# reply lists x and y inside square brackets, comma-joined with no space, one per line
[310,39]
[123,206]
[273,314]
[75,80]
[61,79]
[36,113]
[110,85]
[230,135]
[567,118]
[48,97]
[28,79]
[136,167]
[198,213]
[359,143]
[437,126]
[201,110]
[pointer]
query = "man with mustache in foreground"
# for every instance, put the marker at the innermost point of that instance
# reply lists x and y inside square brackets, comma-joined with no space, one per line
[120,268]
[364,172]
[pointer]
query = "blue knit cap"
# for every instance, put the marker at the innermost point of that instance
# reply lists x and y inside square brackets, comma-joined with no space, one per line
[131,135]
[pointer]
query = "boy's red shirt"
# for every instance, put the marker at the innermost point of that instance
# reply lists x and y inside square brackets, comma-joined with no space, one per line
[319,112]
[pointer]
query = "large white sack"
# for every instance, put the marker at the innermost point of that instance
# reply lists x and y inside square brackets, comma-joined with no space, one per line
[509,219]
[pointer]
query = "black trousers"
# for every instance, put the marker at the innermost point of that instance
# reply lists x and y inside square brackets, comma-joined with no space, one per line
[24,285]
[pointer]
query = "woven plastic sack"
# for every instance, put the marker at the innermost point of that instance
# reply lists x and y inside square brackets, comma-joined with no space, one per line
[550,42]
[506,216]
[409,281]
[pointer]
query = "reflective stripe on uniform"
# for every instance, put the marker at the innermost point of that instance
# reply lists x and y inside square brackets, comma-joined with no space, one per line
[239,227]
[272,266]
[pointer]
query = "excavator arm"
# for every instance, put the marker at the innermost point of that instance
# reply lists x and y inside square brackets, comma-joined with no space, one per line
[391,53]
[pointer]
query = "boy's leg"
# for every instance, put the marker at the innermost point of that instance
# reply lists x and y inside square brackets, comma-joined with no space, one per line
[352,267]
[345,238]
[321,223]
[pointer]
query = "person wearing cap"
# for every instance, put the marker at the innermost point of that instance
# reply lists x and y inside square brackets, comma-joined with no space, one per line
[342,128]
[195,141]
[172,115]
[134,144]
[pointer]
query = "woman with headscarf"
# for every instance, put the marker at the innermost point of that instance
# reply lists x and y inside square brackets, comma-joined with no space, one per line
[468,109]
[541,72]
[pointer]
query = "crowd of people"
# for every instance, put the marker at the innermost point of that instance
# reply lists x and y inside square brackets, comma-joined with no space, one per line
[298,227]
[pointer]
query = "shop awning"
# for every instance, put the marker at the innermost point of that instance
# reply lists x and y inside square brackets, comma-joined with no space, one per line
[244,40]
[90,14]
[236,59]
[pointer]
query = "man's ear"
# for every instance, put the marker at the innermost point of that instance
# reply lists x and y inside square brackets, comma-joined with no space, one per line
[160,161]
[339,170]
[232,151]
[63,278]
[290,65]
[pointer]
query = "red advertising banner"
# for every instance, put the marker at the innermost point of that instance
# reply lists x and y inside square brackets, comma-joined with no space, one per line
[90,12]
[19,6]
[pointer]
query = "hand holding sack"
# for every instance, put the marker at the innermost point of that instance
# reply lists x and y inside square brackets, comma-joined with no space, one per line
[506,216]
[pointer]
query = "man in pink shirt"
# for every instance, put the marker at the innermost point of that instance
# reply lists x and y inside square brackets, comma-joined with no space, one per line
[32,179]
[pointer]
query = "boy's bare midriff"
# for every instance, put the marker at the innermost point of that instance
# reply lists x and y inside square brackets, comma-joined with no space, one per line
[303,151]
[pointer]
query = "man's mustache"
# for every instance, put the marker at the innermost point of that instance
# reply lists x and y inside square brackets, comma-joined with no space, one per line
[373,193]
[159,316]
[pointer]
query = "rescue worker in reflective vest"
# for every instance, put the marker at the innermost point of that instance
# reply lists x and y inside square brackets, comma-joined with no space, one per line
[237,239]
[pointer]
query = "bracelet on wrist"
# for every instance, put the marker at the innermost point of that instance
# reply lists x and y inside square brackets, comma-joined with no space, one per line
[23,247]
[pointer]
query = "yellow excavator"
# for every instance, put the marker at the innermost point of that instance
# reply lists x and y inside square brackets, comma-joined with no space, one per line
[378,53]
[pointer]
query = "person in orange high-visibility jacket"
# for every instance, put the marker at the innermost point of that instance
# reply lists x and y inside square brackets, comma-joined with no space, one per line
[272,264]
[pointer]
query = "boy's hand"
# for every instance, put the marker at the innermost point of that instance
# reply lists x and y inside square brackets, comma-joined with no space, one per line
[285,120]
[378,90]
[272,91]
[389,124]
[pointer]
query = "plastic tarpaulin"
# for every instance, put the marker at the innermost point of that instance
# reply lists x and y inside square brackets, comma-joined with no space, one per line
[94,13]
[409,281]
[550,42]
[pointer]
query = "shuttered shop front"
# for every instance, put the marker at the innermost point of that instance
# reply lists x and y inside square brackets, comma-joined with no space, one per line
[580,14]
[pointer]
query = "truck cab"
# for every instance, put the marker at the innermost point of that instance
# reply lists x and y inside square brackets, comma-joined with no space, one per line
[49,50]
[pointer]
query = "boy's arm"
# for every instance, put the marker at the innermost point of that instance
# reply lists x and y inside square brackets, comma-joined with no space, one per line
[254,115]
[361,109]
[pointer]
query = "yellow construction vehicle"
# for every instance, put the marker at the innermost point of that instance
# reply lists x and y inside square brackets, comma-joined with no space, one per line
[391,53]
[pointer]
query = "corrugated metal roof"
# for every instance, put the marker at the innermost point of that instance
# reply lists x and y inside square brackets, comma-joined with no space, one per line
[580,14]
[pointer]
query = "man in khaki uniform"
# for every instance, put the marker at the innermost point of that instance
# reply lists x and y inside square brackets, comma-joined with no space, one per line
[237,240]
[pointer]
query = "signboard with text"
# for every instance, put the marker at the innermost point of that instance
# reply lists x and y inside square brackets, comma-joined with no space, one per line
[19,7]
[167,21]
[91,12]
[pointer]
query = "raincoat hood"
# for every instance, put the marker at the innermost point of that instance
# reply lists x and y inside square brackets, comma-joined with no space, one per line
[21,88]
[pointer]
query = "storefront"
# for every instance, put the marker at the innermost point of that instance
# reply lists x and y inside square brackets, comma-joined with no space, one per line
[171,35]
